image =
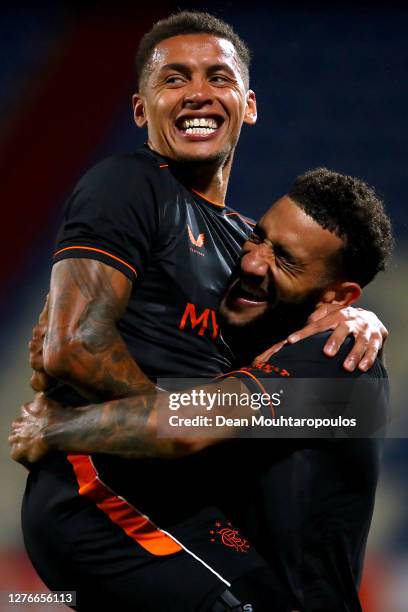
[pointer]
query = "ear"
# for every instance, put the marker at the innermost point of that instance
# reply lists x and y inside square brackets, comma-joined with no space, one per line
[250,109]
[343,294]
[139,110]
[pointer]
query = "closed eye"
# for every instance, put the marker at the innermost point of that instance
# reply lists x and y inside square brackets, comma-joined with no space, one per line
[287,262]
[282,253]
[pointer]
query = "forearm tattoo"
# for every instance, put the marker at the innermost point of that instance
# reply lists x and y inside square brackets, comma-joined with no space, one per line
[121,427]
[96,360]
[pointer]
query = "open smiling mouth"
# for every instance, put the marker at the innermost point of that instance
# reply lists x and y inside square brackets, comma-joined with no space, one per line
[201,127]
[247,297]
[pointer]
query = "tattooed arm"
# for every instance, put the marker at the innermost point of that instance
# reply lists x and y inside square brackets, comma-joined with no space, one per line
[127,427]
[83,347]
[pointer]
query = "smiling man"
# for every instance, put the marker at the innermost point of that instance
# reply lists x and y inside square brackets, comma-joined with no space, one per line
[143,256]
[214,82]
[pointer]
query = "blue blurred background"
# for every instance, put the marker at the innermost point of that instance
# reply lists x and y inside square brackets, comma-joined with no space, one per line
[331,84]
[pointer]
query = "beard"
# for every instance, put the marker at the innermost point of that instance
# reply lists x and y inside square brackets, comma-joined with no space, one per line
[286,317]
[250,338]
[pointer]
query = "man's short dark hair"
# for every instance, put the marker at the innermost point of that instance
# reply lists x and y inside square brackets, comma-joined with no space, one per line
[351,209]
[189,22]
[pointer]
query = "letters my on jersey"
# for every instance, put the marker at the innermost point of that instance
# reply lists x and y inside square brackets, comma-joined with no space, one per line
[207,320]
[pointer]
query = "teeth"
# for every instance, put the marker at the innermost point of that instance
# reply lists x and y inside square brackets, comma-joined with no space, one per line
[203,131]
[251,294]
[199,122]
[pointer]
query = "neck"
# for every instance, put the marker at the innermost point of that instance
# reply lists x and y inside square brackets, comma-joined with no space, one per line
[210,179]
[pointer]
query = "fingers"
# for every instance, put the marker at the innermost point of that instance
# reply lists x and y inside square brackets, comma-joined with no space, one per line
[35,356]
[40,381]
[13,439]
[365,349]
[18,454]
[38,332]
[35,347]
[25,437]
[17,444]
[371,319]
[370,355]
[356,354]
[43,318]
[25,441]
[369,333]
[312,328]
[24,411]
[266,355]
[30,410]
[336,339]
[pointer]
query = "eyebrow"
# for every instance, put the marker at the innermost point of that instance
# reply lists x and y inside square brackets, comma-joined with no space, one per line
[175,66]
[221,66]
[185,69]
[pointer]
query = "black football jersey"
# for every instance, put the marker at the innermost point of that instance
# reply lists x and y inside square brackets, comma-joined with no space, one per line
[308,502]
[179,250]
[176,247]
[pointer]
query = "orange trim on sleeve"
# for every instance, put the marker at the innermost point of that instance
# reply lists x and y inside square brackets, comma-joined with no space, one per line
[163,165]
[208,199]
[135,524]
[87,248]
[258,382]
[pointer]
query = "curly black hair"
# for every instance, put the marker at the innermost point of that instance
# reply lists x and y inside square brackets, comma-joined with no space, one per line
[352,210]
[189,22]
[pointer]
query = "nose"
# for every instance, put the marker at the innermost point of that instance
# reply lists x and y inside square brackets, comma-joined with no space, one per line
[254,262]
[198,94]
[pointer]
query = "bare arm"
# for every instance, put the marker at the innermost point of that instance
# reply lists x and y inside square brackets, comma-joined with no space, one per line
[83,347]
[127,427]
[40,380]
